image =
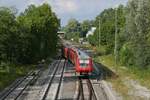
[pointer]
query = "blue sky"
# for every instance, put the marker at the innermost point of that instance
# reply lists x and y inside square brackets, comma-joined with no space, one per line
[66,9]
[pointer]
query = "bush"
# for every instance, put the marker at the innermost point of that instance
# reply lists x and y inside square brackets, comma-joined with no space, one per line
[136,55]
[126,55]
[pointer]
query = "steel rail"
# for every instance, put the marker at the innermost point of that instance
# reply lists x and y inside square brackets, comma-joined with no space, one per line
[80,90]
[50,82]
[34,77]
[13,87]
[61,78]
[91,90]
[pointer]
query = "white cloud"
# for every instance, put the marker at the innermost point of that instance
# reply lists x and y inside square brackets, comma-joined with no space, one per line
[64,6]
[59,6]
[35,2]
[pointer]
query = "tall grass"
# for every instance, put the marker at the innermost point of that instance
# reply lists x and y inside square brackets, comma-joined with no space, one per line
[140,74]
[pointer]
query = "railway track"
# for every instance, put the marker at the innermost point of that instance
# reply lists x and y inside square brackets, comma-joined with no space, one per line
[49,87]
[80,91]
[89,89]
[92,95]
[49,84]
[82,88]
[36,90]
[15,91]
[54,84]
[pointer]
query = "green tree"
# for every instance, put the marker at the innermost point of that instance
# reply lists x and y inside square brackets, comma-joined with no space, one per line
[8,35]
[106,22]
[39,26]
[72,29]
[30,37]
[137,29]
[85,27]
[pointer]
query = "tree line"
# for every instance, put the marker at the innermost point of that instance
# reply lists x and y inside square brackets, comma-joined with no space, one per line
[28,37]
[131,24]
[75,29]
[132,36]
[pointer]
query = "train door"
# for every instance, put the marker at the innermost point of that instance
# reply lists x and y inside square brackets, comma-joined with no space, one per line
[68,51]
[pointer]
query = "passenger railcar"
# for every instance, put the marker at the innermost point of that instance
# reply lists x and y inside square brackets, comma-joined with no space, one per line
[82,62]
[85,64]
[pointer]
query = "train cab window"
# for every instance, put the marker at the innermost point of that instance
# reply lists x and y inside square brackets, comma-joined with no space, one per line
[84,63]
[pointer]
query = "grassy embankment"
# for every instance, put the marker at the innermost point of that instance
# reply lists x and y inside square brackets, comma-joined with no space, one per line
[124,72]
[10,73]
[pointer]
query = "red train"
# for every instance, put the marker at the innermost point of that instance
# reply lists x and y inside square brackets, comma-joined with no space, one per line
[82,62]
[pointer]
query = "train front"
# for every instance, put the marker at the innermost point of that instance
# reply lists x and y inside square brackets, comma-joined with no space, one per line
[84,63]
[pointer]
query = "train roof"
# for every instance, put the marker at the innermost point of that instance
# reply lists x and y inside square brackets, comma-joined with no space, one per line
[82,55]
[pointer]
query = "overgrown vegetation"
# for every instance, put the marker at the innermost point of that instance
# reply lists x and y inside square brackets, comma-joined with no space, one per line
[132,73]
[30,37]
[131,25]
[25,39]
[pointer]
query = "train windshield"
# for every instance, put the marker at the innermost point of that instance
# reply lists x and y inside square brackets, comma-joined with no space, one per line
[84,63]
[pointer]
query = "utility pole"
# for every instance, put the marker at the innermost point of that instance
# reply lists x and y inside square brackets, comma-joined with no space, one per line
[116,41]
[99,36]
